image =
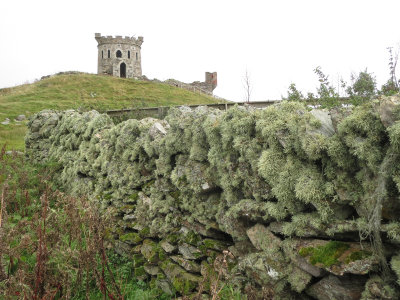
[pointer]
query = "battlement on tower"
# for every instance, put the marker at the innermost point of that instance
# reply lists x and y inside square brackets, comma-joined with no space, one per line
[119,56]
[118,39]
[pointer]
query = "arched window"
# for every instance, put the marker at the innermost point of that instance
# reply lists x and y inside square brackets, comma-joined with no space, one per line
[108,53]
[136,56]
[129,54]
[102,54]
[119,54]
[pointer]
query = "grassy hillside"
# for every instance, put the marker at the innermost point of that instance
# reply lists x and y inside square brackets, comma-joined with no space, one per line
[85,91]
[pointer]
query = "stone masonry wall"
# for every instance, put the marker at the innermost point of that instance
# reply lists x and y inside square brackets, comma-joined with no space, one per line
[281,202]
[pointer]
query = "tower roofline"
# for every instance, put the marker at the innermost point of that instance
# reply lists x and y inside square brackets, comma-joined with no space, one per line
[118,39]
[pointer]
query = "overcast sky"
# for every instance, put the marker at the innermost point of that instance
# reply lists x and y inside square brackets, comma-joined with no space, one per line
[278,42]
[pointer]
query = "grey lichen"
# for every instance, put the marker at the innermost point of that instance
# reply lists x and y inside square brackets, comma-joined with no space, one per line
[306,174]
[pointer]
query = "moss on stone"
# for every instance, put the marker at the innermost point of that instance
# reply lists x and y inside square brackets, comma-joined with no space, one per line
[138,260]
[162,255]
[136,249]
[183,285]
[357,255]
[325,255]
[161,276]
[173,238]
[131,238]
[182,281]
[145,232]
[211,255]
[153,283]
[192,238]
[151,250]
[187,264]
[140,273]
[109,234]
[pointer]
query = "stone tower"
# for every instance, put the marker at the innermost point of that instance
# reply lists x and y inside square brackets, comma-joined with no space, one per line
[118,56]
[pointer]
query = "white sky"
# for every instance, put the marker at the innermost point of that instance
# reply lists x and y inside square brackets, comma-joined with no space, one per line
[278,42]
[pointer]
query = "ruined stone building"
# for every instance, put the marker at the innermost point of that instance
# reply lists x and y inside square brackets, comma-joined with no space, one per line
[209,84]
[206,87]
[119,56]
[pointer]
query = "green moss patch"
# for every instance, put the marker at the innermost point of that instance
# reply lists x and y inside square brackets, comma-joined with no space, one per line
[184,285]
[145,232]
[358,255]
[326,255]
[152,251]
[192,238]
[131,238]
[215,244]
[138,260]
[172,238]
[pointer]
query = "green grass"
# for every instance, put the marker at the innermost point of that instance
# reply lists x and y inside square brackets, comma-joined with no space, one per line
[13,135]
[84,91]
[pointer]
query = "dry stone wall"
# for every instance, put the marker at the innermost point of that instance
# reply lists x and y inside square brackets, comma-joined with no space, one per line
[282,202]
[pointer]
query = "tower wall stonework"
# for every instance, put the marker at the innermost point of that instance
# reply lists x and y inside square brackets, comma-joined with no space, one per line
[130,48]
[211,79]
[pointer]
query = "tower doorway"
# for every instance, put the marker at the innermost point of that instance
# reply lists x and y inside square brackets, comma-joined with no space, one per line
[122,70]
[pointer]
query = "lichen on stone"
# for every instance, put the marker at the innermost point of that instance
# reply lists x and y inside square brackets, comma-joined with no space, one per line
[276,180]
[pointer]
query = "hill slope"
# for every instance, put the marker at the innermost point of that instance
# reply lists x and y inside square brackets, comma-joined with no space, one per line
[87,91]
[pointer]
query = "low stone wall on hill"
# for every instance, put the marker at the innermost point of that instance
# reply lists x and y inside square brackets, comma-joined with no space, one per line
[283,202]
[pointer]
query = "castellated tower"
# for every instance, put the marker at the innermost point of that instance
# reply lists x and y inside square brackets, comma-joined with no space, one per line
[118,56]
